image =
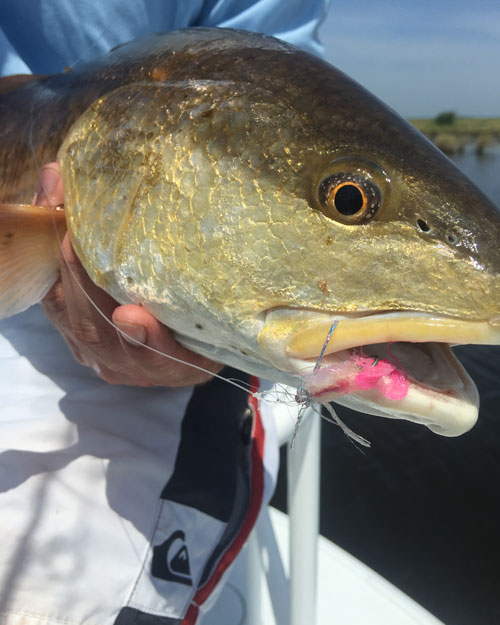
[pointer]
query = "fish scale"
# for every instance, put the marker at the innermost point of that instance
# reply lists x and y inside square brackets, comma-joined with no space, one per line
[200,171]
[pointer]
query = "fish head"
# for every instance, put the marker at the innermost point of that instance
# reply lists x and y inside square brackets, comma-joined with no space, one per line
[404,250]
[250,216]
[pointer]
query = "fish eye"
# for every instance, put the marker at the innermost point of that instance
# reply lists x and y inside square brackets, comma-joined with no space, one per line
[349,197]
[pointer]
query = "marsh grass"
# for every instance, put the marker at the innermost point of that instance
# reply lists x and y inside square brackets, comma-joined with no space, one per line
[452,137]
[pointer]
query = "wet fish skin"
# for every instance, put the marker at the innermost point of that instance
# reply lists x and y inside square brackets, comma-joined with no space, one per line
[255,143]
[192,187]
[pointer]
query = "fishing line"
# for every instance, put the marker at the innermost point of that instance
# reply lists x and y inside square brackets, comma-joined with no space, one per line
[302,396]
[41,186]
[352,436]
[121,333]
[303,399]
[243,386]
[131,339]
[327,340]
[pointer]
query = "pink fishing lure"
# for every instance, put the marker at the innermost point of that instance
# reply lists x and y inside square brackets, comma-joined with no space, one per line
[358,373]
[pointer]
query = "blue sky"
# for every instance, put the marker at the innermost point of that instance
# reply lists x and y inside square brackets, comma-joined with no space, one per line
[422,56]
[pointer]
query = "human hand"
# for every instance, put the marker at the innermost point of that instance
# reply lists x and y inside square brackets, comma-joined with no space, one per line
[73,306]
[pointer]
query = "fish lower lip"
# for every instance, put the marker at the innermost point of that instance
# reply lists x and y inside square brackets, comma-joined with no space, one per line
[440,393]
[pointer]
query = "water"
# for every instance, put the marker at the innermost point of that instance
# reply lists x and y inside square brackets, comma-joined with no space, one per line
[483,170]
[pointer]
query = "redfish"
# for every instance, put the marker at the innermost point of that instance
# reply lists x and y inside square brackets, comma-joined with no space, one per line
[250,195]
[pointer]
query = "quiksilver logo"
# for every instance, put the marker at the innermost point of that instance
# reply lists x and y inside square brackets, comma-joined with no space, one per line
[171,560]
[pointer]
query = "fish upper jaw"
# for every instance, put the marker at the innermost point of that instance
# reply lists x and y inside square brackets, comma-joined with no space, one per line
[440,393]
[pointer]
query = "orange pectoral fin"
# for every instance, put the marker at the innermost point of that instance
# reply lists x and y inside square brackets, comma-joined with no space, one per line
[29,254]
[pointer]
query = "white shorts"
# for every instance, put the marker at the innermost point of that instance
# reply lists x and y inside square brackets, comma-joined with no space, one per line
[119,506]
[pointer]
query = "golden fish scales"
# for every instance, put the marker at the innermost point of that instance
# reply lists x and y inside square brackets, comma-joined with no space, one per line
[201,171]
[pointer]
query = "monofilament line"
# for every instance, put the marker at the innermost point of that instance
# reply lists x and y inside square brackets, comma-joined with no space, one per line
[323,349]
[131,339]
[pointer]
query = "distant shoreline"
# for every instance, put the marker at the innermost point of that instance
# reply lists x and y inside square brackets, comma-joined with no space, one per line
[452,137]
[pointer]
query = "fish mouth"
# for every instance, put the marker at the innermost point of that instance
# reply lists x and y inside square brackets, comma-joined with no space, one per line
[438,392]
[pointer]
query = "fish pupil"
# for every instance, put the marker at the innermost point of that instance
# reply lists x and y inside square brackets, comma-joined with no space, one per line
[348,199]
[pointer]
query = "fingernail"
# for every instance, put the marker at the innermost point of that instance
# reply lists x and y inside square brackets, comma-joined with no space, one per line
[132,333]
[49,179]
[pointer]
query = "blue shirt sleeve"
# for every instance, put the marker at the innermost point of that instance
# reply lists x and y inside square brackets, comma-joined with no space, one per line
[10,61]
[295,21]
[49,35]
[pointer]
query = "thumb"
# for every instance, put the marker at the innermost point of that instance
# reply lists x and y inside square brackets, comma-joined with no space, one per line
[50,188]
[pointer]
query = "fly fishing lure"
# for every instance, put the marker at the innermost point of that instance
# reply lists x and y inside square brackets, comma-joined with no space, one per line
[356,373]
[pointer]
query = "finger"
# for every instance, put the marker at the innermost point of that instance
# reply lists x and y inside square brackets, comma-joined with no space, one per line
[88,309]
[82,310]
[50,188]
[74,304]
[55,306]
[161,369]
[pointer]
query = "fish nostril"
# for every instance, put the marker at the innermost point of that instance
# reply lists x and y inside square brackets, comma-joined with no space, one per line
[423,225]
